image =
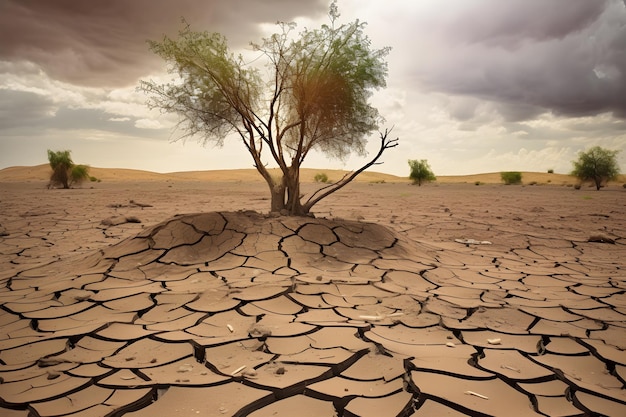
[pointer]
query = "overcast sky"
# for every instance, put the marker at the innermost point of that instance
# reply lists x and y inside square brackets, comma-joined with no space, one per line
[473,86]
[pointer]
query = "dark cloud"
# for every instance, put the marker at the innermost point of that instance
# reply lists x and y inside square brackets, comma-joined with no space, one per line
[104,42]
[567,57]
[509,23]
[24,113]
[24,109]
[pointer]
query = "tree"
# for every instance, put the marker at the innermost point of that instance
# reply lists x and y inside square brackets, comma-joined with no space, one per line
[315,97]
[64,172]
[598,165]
[420,171]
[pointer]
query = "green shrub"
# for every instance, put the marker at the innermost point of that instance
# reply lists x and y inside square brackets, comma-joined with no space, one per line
[321,177]
[511,177]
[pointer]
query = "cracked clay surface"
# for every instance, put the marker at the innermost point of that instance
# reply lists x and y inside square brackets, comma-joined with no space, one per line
[396,301]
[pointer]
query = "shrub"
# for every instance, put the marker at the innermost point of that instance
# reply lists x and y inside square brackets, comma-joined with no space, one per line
[577,186]
[477,183]
[511,177]
[321,177]
[550,171]
[64,172]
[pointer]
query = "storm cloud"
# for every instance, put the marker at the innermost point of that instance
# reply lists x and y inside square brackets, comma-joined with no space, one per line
[103,43]
[567,57]
[476,85]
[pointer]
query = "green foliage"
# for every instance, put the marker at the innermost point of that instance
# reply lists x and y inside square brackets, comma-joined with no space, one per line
[64,172]
[597,165]
[511,177]
[420,171]
[61,164]
[79,173]
[321,177]
[314,96]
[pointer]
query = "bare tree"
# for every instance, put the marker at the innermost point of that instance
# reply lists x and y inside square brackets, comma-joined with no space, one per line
[315,96]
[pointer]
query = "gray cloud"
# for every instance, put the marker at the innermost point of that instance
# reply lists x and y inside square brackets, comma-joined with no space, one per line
[567,57]
[24,110]
[103,43]
[512,22]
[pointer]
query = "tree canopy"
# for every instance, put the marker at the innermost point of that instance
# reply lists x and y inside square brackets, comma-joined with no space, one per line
[598,165]
[313,95]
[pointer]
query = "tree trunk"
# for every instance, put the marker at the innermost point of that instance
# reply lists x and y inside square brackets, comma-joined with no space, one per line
[277,193]
[294,205]
[285,194]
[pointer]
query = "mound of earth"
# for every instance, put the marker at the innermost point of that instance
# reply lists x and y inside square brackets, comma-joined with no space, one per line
[237,313]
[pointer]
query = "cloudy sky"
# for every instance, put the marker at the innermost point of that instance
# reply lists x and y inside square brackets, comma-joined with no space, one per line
[473,86]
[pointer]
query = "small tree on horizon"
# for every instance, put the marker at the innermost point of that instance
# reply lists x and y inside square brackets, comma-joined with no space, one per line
[314,97]
[420,171]
[64,172]
[598,165]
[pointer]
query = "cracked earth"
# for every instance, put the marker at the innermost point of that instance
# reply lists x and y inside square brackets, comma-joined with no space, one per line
[395,301]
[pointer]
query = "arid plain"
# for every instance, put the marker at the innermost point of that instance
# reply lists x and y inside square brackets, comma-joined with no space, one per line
[177,295]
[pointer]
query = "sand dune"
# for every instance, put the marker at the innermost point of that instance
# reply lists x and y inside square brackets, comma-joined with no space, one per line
[42,173]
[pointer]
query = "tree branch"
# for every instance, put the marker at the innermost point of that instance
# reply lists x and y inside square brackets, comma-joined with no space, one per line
[329,189]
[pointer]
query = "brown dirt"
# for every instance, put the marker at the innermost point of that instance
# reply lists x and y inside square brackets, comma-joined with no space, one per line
[445,299]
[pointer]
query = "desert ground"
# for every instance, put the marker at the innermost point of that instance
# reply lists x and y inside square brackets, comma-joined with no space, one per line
[177,294]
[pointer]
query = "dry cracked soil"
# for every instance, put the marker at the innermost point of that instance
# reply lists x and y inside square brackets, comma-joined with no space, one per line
[183,299]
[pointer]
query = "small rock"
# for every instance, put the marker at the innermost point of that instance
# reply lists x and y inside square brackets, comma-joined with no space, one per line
[601,239]
[259,331]
[53,374]
[46,362]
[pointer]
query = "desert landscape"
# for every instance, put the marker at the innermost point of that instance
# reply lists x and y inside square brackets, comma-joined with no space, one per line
[146,294]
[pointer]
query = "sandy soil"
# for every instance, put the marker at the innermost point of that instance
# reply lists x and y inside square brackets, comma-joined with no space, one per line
[446,299]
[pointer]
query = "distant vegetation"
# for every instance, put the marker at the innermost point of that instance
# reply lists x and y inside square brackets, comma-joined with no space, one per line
[321,177]
[511,177]
[420,171]
[64,172]
[597,165]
